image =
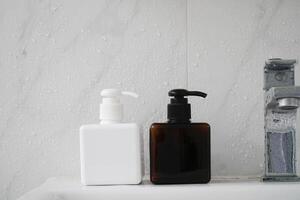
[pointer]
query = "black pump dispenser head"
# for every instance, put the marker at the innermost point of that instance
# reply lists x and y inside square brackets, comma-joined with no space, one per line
[179,110]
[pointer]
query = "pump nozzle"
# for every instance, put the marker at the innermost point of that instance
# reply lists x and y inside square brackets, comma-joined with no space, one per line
[111,109]
[179,110]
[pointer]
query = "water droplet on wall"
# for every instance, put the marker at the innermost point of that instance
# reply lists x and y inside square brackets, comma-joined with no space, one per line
[158,33]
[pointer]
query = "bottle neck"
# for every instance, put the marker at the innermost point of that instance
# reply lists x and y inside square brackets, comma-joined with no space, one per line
[179,112]
[179,121]
[107,121]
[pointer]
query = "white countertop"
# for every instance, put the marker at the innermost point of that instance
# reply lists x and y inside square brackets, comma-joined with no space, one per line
[71,189]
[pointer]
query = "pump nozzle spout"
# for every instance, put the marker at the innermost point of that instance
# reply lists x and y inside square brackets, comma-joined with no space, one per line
[197,93]
[132,94]
[183,92]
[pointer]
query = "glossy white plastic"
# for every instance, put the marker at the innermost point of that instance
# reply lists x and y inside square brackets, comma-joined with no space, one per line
[110,154]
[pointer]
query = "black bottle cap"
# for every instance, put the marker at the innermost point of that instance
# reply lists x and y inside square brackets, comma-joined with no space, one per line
[179,110]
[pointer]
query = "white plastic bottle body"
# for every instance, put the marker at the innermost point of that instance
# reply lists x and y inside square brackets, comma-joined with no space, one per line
[110,154]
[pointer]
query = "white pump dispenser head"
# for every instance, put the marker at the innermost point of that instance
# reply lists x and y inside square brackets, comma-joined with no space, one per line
[111,109]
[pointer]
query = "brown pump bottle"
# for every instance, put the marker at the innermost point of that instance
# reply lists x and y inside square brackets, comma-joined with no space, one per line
[179,149]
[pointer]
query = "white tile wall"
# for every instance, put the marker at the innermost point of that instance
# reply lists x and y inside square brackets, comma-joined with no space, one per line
[228,43]
[56,56]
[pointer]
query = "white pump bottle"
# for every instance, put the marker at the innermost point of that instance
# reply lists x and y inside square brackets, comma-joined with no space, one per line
[110,150]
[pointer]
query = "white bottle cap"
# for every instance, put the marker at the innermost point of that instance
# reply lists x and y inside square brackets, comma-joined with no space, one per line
[111,109]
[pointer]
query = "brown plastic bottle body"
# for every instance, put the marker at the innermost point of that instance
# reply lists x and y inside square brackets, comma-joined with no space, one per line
[180,153]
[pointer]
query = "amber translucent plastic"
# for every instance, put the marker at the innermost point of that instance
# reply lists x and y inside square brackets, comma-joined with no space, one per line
[180,153]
